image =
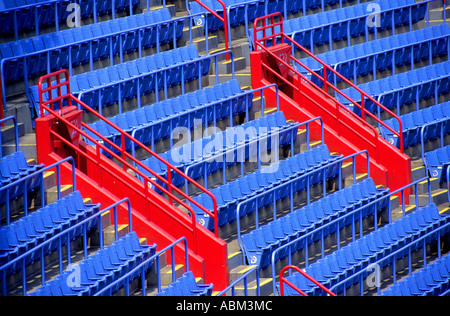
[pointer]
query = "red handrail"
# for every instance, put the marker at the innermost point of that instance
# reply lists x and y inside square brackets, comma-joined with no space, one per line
[223,19]
[122,150]
[283,281]
[324,79]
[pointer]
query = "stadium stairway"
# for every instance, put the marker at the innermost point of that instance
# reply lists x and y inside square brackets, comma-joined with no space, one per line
[436,14]
[243,74]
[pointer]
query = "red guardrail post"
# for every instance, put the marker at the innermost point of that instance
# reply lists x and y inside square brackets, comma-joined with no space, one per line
[283,280]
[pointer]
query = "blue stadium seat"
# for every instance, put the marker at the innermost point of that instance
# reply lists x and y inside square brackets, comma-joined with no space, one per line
[103,268]
[402,89]
[349,21]
[14,167]
[25,11]
[195,153]
[359,254]
[437,162]
[24,234]
[413,123]
[258,182]
[432,280]
[78,40]
[177,110]
[359,59]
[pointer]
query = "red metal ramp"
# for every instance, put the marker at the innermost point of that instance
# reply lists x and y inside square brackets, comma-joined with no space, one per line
[155,217]
[300,100]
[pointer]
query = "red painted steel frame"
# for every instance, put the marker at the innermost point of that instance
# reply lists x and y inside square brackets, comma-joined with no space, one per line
[301,99]
[326,68]
[283,280]
[223,19]
[152,208]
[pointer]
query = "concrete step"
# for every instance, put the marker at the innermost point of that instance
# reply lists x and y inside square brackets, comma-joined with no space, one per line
[422,187]
[14,281]
[200,43]
[165,277]
[197,32]
[418,173]
[226,66]
[171,8]
[243,76]
[109,234]
[437,14]
[265,286]
[438,197]
[51,195]
[359,177]
[49,179]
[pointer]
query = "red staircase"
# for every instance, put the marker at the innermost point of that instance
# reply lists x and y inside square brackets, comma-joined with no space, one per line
[301,100]
[155,217]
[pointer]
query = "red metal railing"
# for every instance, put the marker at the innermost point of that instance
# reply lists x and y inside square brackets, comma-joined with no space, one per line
[223,19]
[172,189]
[283,281]
[2,114]
[326,68]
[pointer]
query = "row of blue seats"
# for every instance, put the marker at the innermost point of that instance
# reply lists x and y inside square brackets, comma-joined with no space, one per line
[226,142]
[46,12]
[102,269]
[413,122]
[124,73]
[348,22]
[382,54]
[255,9]
[256,184]
[260,243]
[75,46]
[401,89]
[358,255]
[437,162]
[186,285]
[149,118]
[13,168]
[30,231]
[432,280]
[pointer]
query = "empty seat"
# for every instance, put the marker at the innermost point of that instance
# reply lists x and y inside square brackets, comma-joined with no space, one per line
[259,244]
[102,269]
[432,280]
[13,168]
[358,255]
[193,155]
[24,234]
